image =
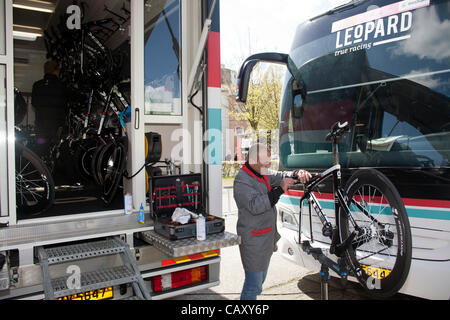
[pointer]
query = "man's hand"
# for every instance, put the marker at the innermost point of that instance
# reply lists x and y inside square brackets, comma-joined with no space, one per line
[303,176]
[286,183]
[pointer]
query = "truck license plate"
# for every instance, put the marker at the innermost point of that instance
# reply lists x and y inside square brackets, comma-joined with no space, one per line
[376,273]
[98,294]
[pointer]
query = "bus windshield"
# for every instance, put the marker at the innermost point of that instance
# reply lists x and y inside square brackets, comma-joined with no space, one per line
[386,70]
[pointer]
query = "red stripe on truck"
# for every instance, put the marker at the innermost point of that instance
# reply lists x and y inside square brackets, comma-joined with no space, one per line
[214,60]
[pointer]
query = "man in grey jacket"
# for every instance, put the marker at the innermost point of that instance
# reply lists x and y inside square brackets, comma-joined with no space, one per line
[256,191]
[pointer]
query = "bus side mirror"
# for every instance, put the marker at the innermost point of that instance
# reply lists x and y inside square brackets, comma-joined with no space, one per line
[243,80]
[247,67]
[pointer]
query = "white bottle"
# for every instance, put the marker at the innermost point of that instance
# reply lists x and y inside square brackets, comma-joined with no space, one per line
[128,203]
[201,228]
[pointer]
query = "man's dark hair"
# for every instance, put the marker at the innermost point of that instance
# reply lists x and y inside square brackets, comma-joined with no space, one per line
[50,67]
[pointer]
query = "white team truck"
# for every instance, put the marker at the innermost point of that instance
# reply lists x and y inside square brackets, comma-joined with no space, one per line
[137,68]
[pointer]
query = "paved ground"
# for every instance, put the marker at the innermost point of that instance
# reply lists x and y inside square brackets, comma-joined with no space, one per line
[285,279]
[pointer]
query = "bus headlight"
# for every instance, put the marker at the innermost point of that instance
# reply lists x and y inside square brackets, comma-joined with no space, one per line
[288,220]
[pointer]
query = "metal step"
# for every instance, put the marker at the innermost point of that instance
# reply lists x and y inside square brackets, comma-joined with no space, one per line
[84,251]
[108,277]
[94,280]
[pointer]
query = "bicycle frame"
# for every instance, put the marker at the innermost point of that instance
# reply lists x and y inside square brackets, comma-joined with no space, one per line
[340,203]
[110,104]
[339,200]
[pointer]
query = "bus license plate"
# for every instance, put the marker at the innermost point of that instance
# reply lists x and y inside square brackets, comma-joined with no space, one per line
[376,273]
[98,294]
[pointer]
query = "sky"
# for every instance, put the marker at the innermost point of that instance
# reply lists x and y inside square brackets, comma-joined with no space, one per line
[252,26]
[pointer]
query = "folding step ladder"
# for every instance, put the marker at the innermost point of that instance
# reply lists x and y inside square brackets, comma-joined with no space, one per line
[93,280]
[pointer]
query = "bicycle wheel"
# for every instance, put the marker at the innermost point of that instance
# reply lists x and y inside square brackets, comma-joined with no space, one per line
[96,157]
[115,166]
[35,189]
[83,157]
[381,258]
[103,163]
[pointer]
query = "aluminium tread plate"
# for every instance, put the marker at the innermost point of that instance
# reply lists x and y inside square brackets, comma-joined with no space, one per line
[84,250]
[183,247]
[94,280]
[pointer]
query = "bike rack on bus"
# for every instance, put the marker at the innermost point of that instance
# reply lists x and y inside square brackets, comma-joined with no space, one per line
[326,264]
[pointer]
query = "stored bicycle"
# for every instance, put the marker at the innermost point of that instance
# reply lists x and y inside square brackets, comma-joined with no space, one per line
[371,236]
[95,146]
[35,189]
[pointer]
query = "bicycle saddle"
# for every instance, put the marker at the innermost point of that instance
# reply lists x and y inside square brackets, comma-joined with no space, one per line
[337,130]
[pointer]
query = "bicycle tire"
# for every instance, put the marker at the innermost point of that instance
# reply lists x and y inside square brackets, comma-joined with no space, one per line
[378,280]
[115,174]
[102,161]
[35,188]
[83,157]
[95,174]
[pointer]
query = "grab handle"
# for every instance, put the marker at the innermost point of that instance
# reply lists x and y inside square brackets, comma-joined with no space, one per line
[136,118]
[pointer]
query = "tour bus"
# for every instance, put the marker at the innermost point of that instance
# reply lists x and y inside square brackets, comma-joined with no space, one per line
[384,67]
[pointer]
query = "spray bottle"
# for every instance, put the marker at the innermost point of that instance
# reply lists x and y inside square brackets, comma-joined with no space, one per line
[141,214]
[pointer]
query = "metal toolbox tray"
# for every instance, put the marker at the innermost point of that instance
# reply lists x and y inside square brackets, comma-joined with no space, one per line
[185,247]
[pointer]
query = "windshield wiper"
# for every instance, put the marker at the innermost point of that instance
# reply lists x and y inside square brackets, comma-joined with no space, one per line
[342,7]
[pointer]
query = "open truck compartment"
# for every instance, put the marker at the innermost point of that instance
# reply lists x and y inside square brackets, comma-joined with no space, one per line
[98,124]
[72,90]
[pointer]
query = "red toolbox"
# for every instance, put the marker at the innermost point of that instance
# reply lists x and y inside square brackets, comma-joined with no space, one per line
[183,191]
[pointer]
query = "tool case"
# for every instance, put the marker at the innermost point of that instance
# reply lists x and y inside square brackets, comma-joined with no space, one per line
[184,191]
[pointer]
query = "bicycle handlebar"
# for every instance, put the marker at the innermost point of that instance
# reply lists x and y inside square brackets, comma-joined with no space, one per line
[315,177]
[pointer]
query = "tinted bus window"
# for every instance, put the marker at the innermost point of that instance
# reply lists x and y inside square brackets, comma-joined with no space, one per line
[386,70]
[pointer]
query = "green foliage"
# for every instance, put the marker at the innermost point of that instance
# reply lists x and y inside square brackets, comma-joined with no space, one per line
[263,101]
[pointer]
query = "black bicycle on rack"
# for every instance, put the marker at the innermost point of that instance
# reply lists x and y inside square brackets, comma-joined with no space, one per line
[371,236]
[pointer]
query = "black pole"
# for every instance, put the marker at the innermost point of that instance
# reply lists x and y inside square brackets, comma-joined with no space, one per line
[324,278]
